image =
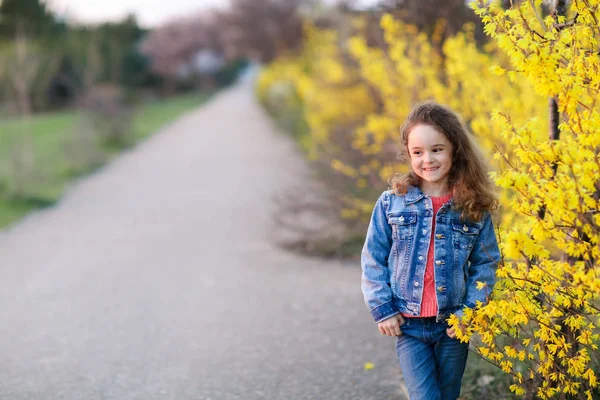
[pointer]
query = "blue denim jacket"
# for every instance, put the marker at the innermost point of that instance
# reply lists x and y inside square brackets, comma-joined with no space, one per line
[394,257]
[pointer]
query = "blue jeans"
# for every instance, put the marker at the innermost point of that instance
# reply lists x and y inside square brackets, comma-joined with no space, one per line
[432,363]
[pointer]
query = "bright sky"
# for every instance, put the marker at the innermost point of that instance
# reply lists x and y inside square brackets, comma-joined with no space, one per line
[149,12]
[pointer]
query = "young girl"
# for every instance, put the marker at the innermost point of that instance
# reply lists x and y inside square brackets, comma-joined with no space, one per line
[430,241]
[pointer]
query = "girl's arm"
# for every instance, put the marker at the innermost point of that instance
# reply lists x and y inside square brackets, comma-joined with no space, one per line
[483,261]
[374,261]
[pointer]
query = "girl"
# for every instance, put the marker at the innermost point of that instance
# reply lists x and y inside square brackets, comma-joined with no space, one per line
[429,242]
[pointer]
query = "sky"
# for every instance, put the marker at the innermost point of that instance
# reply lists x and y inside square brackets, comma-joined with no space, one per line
[150,13]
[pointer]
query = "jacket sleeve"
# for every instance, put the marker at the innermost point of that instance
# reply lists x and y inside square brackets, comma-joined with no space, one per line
[375,280]
[483,262]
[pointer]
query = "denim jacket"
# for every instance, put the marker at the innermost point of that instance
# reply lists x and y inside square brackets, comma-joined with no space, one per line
[394,257]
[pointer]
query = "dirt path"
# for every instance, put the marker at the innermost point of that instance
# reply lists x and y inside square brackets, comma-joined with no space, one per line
[155,279]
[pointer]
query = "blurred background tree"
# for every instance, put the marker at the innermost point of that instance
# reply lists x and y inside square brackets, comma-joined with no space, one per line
[31,17]
[261,30]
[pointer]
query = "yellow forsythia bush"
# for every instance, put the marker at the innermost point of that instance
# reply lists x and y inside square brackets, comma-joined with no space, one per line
[541,324]
[546,300]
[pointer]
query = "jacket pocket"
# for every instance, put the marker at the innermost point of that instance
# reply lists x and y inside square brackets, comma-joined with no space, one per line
[464,234]
[403,224]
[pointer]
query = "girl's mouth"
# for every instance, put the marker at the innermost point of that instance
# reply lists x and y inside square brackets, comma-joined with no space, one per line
[430,169]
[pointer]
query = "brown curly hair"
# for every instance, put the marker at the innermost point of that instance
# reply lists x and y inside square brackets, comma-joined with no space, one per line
[472,189]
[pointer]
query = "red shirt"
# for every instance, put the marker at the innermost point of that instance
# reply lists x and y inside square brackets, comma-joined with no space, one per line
[429,304]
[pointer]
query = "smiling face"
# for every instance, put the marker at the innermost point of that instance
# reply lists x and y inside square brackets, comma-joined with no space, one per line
[431,158]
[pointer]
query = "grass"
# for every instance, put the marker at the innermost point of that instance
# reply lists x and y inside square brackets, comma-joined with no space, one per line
[157,113]
[61,155]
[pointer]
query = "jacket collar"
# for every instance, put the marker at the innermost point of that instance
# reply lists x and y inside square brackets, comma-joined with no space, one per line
[413,194]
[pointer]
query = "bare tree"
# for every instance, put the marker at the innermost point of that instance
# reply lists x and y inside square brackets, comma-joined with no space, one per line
[261,30]
[173,45]
[251,29]
[28,69]
[425,14]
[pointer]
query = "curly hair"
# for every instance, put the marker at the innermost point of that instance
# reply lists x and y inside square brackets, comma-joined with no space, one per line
[472,189]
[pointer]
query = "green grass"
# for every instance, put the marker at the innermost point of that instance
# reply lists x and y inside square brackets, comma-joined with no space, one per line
[56,142]
[157,113]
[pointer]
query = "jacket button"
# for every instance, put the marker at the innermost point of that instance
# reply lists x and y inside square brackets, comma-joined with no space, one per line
[420,258]
[416,283]
[440,288]
[438,262]
[439,236]
[465,228]
[401,219]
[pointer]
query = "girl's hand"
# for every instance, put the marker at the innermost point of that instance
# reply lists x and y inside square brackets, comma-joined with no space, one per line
[452,333]
[391,326]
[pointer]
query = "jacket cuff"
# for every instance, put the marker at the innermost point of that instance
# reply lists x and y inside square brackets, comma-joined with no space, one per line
[384,311]
[460,313]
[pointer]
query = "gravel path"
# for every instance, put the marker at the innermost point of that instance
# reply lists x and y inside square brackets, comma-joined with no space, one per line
[155,279]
